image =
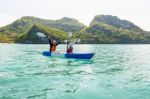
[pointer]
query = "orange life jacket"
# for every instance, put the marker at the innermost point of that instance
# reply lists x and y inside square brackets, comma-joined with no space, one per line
[53,48]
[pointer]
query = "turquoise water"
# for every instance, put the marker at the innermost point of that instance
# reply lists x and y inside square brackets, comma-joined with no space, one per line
[116,72]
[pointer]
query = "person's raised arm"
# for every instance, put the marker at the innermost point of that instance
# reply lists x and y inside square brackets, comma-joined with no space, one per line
[58,43]
[50,41]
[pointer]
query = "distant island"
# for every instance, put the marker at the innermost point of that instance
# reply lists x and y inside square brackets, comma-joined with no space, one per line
[103,29]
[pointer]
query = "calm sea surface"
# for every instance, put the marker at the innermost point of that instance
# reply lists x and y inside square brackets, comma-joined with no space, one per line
[116,72]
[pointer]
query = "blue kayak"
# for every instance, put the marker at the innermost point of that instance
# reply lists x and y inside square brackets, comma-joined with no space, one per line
[73,55]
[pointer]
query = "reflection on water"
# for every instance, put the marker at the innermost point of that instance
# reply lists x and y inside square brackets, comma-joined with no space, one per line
[116,71]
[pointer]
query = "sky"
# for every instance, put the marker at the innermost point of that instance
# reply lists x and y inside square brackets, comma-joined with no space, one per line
[136,11]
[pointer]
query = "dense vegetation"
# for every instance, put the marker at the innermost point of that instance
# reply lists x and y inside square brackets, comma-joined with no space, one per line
[102,29]
[111,29]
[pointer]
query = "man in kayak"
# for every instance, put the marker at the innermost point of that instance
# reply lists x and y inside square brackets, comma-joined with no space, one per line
[53,45]
[69,47]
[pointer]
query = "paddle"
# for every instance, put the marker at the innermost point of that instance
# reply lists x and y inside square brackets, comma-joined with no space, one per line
[40,34]
[70,35]
[70,38]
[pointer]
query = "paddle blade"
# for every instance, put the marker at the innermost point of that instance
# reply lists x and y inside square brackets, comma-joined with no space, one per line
[69,34]
[40,34]
[65,41]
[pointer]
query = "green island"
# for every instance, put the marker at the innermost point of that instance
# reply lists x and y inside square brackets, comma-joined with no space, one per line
[103,29]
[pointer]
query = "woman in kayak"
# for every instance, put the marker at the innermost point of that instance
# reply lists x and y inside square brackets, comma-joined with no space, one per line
[69,47]
[53,45]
